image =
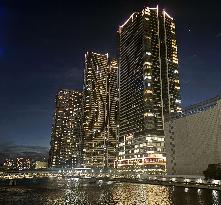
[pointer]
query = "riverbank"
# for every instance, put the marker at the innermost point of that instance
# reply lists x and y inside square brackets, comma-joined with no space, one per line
[169,183]
[164,181]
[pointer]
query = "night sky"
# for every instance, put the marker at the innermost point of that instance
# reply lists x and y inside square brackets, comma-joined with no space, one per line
[42,46]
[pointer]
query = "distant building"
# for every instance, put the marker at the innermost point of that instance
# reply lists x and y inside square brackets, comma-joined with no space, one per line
[41,165]
[66,137]
[149,88]
[9,164]
[100,110]
[23,163]
[193,138]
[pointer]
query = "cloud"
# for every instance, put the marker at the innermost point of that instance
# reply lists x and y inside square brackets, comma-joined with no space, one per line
[10,146]
[218,35]
[73,74]
[70,78]
[5,143]
[13,151]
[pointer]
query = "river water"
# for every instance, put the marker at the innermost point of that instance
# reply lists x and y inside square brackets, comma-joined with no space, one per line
[78,193]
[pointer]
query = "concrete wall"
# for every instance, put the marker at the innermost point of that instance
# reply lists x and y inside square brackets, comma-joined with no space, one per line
[193,142]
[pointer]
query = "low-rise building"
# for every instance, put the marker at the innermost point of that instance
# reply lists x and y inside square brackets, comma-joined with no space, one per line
[41,165]
[9,164]
[23,163]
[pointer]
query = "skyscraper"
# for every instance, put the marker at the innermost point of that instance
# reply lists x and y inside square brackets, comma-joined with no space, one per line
[149,87]
[66,137]
[100,110]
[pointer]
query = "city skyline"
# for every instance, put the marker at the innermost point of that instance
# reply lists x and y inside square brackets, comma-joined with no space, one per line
[34,109]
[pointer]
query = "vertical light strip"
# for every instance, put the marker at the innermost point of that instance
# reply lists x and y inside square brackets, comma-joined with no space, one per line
[161,84]
[165,38]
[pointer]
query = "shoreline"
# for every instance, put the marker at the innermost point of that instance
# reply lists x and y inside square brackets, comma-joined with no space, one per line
[43,182]
[167,183]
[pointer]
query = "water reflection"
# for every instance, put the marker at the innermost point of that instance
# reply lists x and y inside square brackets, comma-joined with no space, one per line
[186,189]
[141,194]
[80,193]
[216,197]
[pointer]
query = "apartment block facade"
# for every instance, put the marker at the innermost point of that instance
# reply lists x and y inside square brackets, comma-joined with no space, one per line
[100,110]
[149,88]
[67,133]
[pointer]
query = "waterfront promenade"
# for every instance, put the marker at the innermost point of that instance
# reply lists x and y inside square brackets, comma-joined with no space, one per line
[32,178]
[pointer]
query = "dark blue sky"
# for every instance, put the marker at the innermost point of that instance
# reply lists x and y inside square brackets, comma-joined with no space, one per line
[42,46]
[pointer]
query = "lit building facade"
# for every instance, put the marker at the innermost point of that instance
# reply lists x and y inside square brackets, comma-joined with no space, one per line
[100,110]
[23,163]
[66,137]
[149,88]
[40,165]
[19,163]
[9,164]
[193,138]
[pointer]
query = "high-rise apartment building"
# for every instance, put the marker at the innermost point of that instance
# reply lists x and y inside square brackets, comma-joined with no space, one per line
[149,87]
[66,137]
[100,110]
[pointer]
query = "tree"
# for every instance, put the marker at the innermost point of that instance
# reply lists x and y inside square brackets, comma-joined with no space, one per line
[213,172]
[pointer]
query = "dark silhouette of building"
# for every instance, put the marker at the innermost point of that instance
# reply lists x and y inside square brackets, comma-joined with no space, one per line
[193,138]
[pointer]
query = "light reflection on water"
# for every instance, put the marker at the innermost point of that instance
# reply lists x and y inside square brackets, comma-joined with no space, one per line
[141,194]
[216,197]
[78,193]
